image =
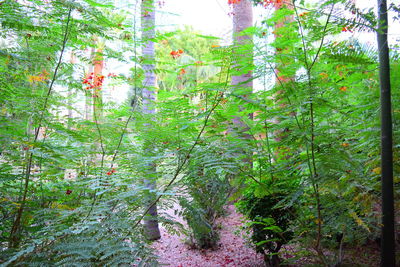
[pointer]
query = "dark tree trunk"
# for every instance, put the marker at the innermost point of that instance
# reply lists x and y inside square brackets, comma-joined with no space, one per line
[387,241]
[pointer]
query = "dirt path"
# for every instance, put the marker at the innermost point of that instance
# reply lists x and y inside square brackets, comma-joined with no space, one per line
[232,251]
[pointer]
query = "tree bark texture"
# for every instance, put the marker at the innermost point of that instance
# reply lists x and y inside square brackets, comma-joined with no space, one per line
[242,78]
[150,221]
[388,233]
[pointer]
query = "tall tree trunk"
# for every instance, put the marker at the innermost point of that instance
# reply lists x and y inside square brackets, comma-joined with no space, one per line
[242,80]
[150,221]
[89,93]
[242,50]
[281,80]
[98,77]
[387,242]
[70,93]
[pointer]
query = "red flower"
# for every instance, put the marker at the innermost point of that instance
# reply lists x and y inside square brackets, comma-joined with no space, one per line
[176,54]
[346,29]
[68,192]
[111,171]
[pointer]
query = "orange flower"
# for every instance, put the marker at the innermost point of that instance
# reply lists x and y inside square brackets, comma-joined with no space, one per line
[324,75]
[214,46]
[231,2]
[111,171]
[182,71]
[176,54]
[42,77]
[346,29]
[345,144]
[173,54]
[265,3]
[343,88]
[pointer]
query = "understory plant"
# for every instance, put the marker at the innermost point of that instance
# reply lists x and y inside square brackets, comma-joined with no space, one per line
[270,214]
[207,187]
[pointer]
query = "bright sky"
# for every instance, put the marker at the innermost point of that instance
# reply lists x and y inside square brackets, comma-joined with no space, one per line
[212,17]
[208,16]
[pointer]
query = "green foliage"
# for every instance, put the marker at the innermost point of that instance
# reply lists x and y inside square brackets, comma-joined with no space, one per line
[196,60]
[70,190]
[270,215]
[207,189]
[61,202]
[326,125]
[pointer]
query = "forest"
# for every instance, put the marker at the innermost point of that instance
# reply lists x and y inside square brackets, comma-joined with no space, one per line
[279,147]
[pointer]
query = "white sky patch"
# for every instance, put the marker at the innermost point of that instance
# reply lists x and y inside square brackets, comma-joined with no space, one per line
[210,17]
[213,17]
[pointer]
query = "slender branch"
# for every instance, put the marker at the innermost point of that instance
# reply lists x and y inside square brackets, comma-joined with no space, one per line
[322,39]
[14,238]
[314,173]
[218,99]
[120,139]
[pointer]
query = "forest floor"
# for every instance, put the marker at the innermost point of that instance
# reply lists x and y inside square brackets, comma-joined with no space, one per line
[233,250]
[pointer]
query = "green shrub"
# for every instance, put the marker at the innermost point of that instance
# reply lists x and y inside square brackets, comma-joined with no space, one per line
[207,188]
[269,220]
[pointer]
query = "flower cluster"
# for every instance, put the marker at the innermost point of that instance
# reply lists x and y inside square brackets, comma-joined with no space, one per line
[42,77]
[96,81]
[303,14]
[111,171]
[93,81]
[176,54]
[181,73]
[346,29]
[266,3]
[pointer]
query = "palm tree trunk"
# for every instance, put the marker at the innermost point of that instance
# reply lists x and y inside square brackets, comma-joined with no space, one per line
[150,221]
[242,81]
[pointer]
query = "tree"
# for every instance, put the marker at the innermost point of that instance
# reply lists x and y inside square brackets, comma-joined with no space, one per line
[148,97]
[387,241]
[242,79]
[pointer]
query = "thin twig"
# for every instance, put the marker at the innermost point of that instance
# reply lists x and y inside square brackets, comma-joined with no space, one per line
[16,224]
